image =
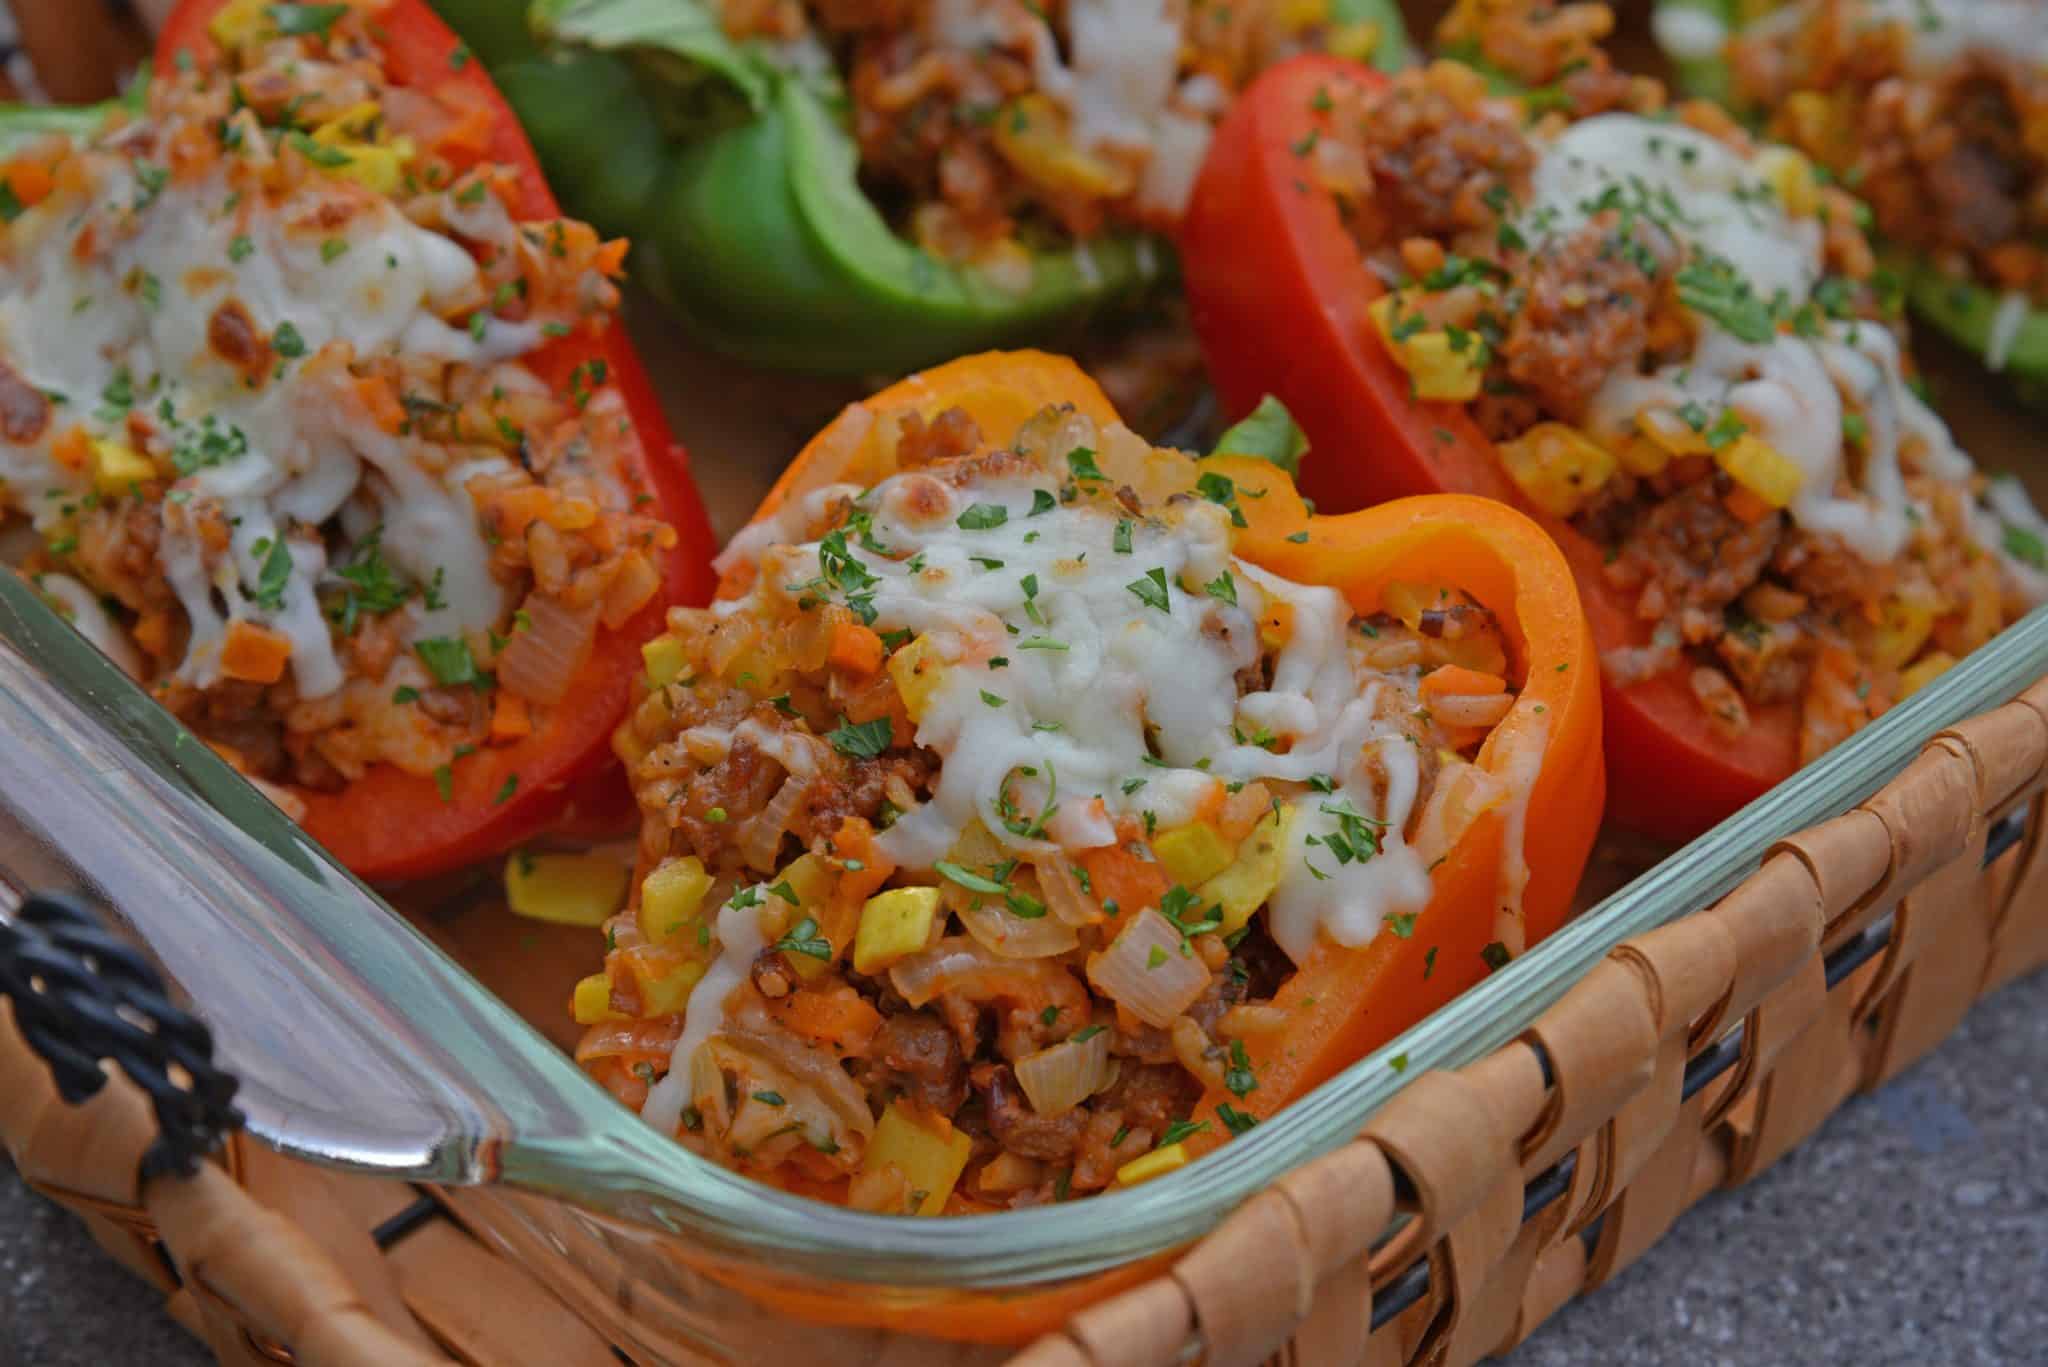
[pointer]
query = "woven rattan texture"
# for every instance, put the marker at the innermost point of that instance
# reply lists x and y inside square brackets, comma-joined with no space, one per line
[259,1253]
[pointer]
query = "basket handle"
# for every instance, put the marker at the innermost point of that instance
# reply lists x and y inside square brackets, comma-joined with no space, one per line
[80,996]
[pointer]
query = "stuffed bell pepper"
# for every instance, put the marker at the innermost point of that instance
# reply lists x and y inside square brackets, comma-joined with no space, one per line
[1670,342]
[863,188]
[1036,808]
[312,418]
[1935,112]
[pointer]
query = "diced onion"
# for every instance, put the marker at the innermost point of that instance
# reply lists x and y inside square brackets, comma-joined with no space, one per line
[1461,795]
[1002,932]
[1154,987]
[760,836]
[1061,1077]
[543,657]
[655,1039]
[1064,895]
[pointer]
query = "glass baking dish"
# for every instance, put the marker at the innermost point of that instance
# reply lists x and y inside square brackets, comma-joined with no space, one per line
[363,1042]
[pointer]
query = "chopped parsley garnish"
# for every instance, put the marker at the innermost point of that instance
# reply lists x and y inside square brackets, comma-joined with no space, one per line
[444,781]
[1712,287]
[2026,547]
[1085,1033]
[803,938]
[1042,501]
[1081,462]
[447,658]
[240,248]
[982,517]
[1181,1129]
[1222,588]
[969,879]
[505,793]
[1222,491]
[1234,1120]
[1121,541]
[372,585]
[273,574]
[1496,956]
[287,342]
[1151,590]
[317,153]
[1357,836]
[294,20]
[994,699]
[1238,1078]
[862,740]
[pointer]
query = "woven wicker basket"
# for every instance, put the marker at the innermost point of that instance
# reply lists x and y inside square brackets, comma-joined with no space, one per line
[1689,1059]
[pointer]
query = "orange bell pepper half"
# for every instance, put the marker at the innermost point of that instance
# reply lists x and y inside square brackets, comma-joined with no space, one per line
[1342,1002]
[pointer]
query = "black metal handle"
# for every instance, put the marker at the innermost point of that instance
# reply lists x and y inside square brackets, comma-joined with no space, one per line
[82,996]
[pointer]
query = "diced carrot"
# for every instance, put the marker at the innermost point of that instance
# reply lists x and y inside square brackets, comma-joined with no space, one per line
[1448,681]
[468,133]
[862,869]
[520,508]
[856,649]
[254,654]
[380,401]
[152,631]
[611,257]
[29,180]
[72,449]
[838,1016]
[1117,875]
[509,718]
[1747,506]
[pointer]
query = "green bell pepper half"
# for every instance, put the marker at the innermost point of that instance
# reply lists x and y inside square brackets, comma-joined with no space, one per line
[731,168]
[1962,310]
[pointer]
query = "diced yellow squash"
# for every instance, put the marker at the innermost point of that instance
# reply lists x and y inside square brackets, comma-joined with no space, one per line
[1672,432]
[1033,134]
[925,1148]
[1438,369]
[664,659]
[1194,853]
[1244,887]
[670,898]
[1296,15]
[117,467]
[1762,469]
[1925,672]
[350,125]
[1790,176]
[1641,456]
[239,21]
[1813,121]
[592,1003]
[1276,623]
[664,975]
[893,925]
[810,878]
[918,669]
[568,889]
[1157,1163]
[1904,624]
[378,167]
[1557,466]
[1354,41]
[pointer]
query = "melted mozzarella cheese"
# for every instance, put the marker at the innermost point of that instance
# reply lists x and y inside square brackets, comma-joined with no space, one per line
[1793,391]
[330,262]
[1694,186]
[741,938]
[1064,686]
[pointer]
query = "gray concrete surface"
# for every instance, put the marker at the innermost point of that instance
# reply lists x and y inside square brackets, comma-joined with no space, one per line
[1912,1229]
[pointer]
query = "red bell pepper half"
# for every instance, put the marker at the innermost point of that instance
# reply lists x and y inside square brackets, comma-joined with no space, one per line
[389,824]
[1280,292]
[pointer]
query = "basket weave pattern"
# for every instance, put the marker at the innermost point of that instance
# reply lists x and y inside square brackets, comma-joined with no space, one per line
[261,1252]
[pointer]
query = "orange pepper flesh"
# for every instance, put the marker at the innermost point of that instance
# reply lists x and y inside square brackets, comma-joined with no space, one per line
[1343,1002]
